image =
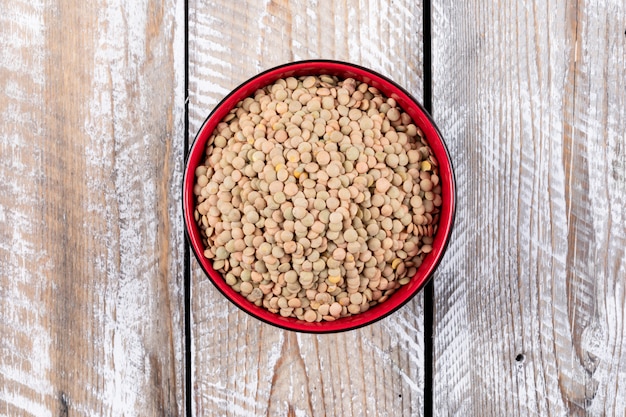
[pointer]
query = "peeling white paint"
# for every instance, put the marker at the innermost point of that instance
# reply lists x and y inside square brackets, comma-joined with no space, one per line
[24,263]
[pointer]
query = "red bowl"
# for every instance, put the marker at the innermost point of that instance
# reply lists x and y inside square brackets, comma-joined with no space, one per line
[421,119]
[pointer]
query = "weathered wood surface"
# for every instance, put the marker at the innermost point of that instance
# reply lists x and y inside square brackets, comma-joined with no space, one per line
[91,241]
[530,300]
[242,367]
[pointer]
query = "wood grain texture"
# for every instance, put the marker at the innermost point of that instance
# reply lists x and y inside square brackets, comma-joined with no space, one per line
[530,299]
[91,245]
[242,367]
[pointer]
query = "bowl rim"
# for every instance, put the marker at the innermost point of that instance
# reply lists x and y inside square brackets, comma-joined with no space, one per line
[424,121]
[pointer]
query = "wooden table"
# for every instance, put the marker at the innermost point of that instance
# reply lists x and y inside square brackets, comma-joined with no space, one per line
[103,312]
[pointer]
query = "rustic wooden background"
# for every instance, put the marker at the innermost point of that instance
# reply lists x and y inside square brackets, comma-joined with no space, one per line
[98,101]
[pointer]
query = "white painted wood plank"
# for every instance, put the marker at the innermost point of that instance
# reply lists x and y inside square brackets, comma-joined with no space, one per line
[530,297]
[91,241]
[241,366]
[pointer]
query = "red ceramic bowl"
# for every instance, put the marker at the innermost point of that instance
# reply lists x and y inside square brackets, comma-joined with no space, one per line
[420,118]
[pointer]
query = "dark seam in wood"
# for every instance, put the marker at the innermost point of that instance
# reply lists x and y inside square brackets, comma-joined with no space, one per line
[429,291]
[188,388]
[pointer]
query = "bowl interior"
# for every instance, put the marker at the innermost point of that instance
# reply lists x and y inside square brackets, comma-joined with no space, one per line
[420,118]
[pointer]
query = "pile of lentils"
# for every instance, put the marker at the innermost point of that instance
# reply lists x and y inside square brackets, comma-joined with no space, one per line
[318,197]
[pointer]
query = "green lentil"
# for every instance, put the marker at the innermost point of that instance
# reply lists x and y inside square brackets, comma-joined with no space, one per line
[334,186]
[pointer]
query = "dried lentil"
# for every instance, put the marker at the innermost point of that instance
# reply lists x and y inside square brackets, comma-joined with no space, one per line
[318,198]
